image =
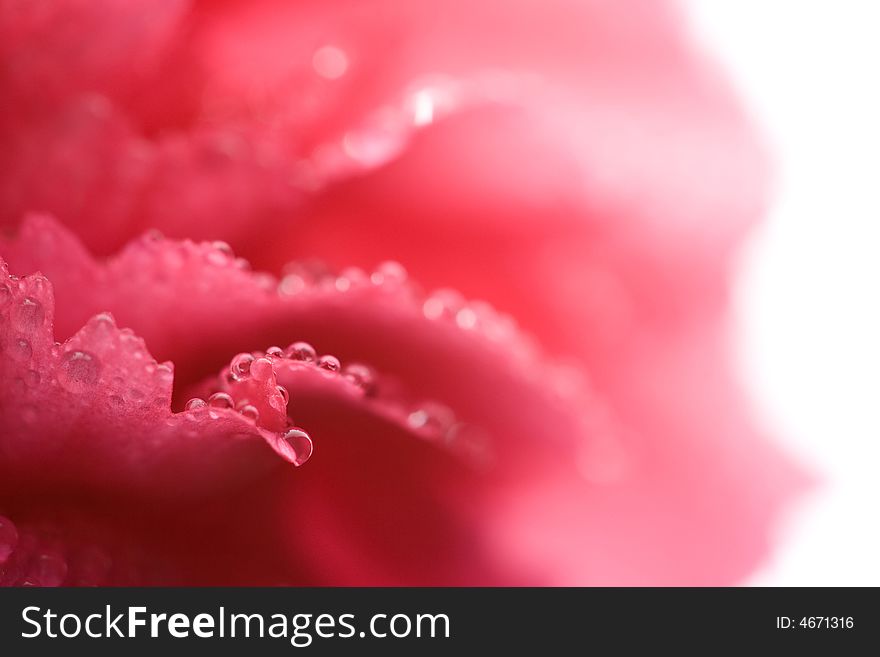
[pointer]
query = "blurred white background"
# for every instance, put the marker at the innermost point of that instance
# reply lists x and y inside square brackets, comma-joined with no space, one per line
[809,297]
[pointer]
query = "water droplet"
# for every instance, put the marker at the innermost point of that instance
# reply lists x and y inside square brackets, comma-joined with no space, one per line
[283,392]
[21,350]
[219,254]
[302,351]
[223,248]
[466,318]
[250,412]
[48,569]
[355,276]
[330,62]
[78,371]
[291,284]
[30,315]
[389,273]
[241,366]
[329,363]
[432,417]
[103,321]
[296,446]
[443,303]
[8,539]
[220,400]
[5,295]
[261,369]
[360,375]
[275,352]
[195,403]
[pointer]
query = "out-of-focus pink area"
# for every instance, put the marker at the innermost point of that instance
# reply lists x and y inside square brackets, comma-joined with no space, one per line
[806,316]
[574,169]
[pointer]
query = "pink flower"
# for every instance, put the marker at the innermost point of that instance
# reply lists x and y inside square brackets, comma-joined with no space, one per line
[576,165]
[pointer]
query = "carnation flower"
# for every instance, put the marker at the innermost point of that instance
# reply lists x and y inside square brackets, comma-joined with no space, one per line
[473,329]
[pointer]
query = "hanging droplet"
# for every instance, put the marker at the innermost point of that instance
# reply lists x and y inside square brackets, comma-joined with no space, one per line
[78,371]
[241,366]
[195,403]
[329,363]
[250,412]
[261,369]
[8,539]
[30,315]
[220,400]
[302,351]
[284,394]
[296,446]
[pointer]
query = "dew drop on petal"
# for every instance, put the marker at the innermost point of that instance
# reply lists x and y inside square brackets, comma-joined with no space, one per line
[389,273]
[30,315]
[302,351]
[359,375]
[466,318]
[261,369]
[241,366]
[275,352]
[195,403]
[296,446]
[223,247]
[250,412]
[432,417]
[48,569]
[330,62]
[78,371]
[329,363]
[220,400]
[283,392]
[8,538]
[291,284]
[21,350]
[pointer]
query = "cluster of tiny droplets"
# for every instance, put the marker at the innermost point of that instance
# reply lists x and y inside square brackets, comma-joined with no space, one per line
[30,556]
[442,305]
[260,366]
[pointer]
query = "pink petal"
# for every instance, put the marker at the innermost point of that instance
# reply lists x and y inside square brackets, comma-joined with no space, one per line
[620,467]
[94,413]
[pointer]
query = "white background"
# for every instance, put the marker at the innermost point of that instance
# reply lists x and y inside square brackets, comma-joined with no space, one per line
[809,295]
